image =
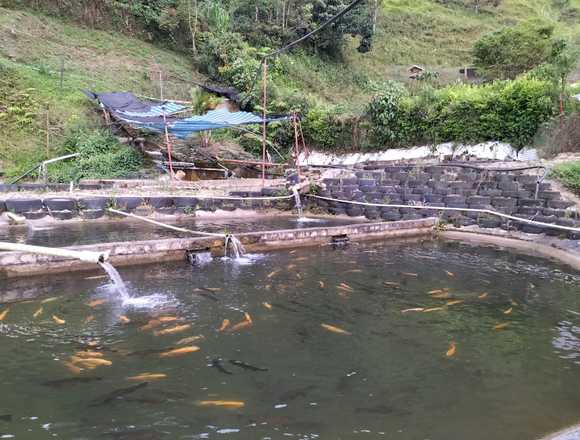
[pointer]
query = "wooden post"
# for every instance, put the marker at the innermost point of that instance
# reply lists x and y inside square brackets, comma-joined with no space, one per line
[167,140]
[264,103]
[47,141]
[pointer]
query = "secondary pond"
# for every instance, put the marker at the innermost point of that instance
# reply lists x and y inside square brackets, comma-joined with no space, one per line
[409,341]
[81,233]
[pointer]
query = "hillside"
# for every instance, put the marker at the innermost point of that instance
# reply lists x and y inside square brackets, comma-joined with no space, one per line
[438,34]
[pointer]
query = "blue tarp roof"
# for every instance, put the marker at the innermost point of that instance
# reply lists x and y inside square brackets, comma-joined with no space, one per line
[212,120]
[148,115]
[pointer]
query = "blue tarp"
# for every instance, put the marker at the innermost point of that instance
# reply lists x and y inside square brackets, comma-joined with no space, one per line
[212,120]
[148,115]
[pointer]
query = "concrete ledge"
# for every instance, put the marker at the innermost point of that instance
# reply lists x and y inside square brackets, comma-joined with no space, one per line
[16,264]
[564,251]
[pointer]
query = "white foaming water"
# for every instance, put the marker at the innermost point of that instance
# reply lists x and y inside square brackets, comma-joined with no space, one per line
[148,301]
[309,220]
[116,280]
[246,260]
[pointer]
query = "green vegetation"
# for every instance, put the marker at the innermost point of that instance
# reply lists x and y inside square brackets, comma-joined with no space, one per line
[341,81]
[101,156]
[568,174]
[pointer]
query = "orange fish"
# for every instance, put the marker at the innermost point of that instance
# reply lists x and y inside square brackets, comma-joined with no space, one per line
[4,313]
[225,324]
[449,274]
[248,317]
[189,340]
[147,377]
[96,303]
[223,403]
[514,303]
[90,363]
[452,350]
[48,300]
[150,325]
[58,320]
[436,291]
[508,311]
[408,274]
[167,319]
[391,284]
[433,309]
[172,330]
[89,319]
[290,267]
[333,329]
[72,368]
[179,351]
[483,295]
[321,284]
[267,305]
[455,302]
[240,325]
[88,354]
[38,312]
[273,273]
[501,326]
[442,295]
[416,309]
[124,320]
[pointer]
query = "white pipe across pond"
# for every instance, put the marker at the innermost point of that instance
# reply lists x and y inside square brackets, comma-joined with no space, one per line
[86,256]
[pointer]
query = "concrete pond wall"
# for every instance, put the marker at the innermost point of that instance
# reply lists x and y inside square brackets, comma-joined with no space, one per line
[515,193]
[89,207]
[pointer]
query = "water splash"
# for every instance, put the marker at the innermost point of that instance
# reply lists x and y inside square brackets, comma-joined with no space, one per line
[116,280]
[234,247]
[298,203]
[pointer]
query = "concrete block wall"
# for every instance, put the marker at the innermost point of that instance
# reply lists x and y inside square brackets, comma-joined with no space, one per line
[515,193]
[95,207]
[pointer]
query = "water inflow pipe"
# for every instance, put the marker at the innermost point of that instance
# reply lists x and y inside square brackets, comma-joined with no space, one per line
[86,256]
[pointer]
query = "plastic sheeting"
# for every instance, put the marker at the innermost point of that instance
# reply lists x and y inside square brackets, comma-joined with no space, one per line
[154,116]
[488,150]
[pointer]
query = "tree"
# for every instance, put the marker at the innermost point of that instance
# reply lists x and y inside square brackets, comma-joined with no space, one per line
[509,52]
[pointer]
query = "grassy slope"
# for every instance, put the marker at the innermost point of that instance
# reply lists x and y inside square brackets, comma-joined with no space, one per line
[32,48]
[409,32]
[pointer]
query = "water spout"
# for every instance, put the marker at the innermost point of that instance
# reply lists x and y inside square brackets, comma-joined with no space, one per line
[235,245]
[116,280]
[298,202]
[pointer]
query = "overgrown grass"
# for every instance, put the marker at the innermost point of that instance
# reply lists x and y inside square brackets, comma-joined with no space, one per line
[569,174]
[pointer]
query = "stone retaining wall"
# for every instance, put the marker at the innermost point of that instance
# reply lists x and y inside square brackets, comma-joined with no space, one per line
[94,207]
[514,193]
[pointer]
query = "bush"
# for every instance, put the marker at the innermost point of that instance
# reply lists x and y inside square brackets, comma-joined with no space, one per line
[101,157]
[506,111]
[560,135]
[568,174]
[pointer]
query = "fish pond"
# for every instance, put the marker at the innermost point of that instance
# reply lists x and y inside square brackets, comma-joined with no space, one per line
[402,341]
[84,233]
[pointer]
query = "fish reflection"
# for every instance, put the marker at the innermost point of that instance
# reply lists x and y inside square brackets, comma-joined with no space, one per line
[118,394]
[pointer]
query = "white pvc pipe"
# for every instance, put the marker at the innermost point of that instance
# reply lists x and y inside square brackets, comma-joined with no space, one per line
[163,225]
[86,256]
[444,208]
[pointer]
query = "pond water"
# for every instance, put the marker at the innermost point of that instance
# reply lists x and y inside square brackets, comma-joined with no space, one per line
[81,233]
[335,357]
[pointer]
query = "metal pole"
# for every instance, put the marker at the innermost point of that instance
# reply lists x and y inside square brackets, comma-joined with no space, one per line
[86,256]
[264,103]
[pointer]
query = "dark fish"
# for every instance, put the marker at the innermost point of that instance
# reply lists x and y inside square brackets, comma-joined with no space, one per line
[217,363]
[246,366]
[379,409]
[62,383]
[147,352]
[288,396]
[5,417]
[209,296]
[140,434]
[286,308]
[117,394]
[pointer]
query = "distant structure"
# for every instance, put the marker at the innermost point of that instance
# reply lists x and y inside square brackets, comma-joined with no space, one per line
[469,73]
[415,71]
